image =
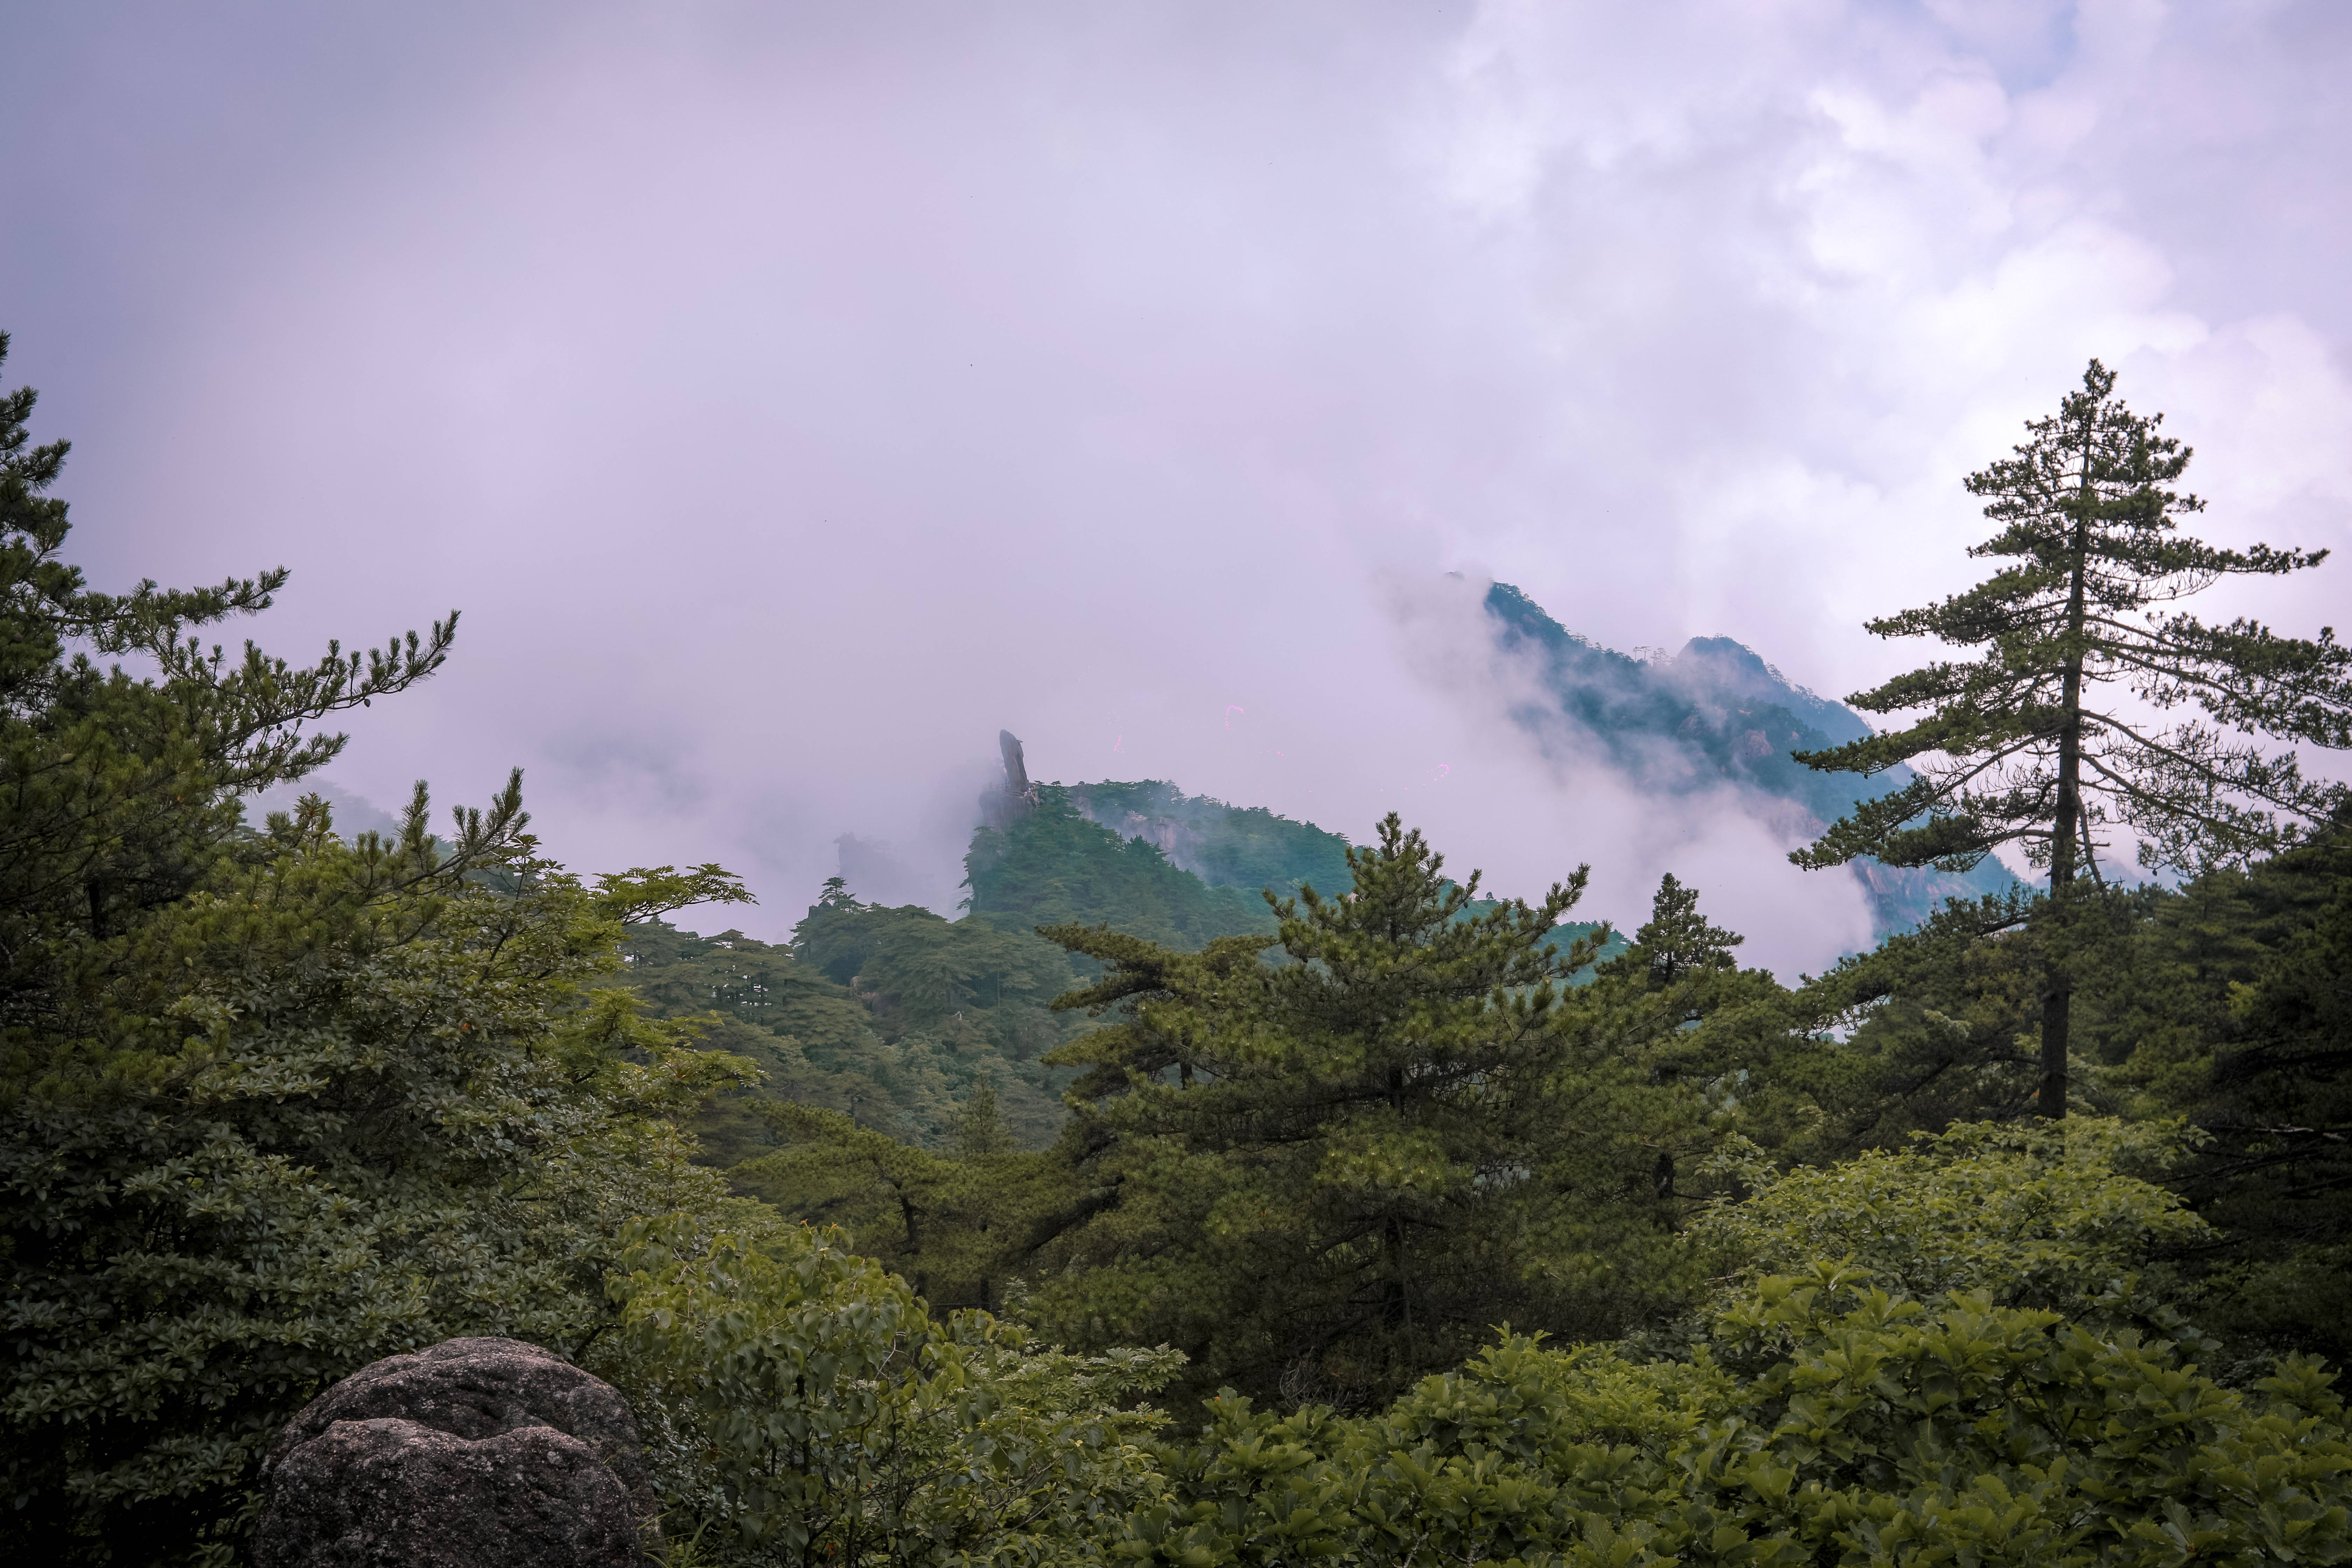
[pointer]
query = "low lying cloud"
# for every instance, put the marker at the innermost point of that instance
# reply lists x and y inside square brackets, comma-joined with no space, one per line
[793,397]
[1539,788]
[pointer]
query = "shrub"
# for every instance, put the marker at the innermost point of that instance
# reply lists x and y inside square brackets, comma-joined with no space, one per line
[808,1405]
[1867,1429]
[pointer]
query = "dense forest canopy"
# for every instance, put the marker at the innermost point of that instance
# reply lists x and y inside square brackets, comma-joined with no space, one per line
[1213,1189]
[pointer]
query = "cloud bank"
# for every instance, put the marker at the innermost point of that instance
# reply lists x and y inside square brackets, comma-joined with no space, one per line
[792,396]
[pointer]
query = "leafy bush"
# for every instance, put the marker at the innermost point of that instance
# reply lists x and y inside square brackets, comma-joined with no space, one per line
[808,1404]
[2037,1214]
[1852,1427]
[333,1106]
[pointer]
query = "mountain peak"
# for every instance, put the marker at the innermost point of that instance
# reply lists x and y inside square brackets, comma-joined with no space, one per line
[1715,713]
[1721,669]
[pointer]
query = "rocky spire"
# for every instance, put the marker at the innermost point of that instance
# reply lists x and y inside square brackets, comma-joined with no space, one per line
[1016,797]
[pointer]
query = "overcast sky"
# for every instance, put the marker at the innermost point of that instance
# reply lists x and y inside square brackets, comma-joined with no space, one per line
[792,395]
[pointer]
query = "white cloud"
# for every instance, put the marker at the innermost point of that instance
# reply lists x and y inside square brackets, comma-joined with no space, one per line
[793,396]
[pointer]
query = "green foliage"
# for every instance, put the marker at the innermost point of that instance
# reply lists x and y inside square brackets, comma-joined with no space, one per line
[1856,1427]
[2277,1103]
[921,971]
[895,1017]
[922,1012]
[1933,1027]
[883,1032]
[333,1105]
[814,1409]
[1055,867]
[1225,846]
[2214,1004]
[2029,1215]
[952,1220]
[1330,1174]
[642,894]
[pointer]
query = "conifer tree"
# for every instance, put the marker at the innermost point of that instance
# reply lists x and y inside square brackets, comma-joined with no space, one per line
[1675,1054]
[1321,1174]
[978,1127]
[1678,940]
[115,791]
[2061,729]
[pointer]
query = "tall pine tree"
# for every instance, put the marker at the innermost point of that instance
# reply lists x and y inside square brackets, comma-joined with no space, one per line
[2060,730]
[1328,1175]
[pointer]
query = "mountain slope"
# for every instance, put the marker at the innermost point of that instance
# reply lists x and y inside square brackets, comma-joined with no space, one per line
[1053,864]
[1224,846]
[1248,848]
[1715,714]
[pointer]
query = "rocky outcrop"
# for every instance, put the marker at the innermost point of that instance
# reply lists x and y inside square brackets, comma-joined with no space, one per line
[1016,797]
[474,1452]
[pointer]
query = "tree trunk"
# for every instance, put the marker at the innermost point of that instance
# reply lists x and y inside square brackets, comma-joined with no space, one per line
[2057,982]
[1396,1305]
[2056,1003]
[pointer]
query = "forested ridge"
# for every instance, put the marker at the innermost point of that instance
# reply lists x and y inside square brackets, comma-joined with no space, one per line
[1214,1189]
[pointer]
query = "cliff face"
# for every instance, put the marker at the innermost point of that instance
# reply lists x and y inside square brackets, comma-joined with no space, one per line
[1714,714]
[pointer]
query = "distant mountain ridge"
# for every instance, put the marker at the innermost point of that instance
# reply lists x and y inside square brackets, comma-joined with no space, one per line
[1233,848]
[1224,846]
[1714,714]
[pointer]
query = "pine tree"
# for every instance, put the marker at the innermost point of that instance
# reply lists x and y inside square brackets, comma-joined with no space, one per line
[978,1127]
[2061,726]
[117,792]
[1325,1174]
[1678,940]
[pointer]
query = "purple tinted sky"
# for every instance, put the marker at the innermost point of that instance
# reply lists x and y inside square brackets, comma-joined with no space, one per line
[792,395]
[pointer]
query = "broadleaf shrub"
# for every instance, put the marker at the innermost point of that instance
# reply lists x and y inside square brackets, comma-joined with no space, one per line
[1874,1429]
[808,1404]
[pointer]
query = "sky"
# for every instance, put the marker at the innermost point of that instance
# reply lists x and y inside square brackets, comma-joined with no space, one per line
[792,396]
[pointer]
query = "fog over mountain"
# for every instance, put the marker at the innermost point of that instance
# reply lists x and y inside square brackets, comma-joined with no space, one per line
[1715,726]
[1702,733]
[792,397]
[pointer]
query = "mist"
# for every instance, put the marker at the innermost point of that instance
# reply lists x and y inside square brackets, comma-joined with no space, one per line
[792,397]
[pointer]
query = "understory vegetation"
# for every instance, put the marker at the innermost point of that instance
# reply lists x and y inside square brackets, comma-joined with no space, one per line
[1214,1191]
